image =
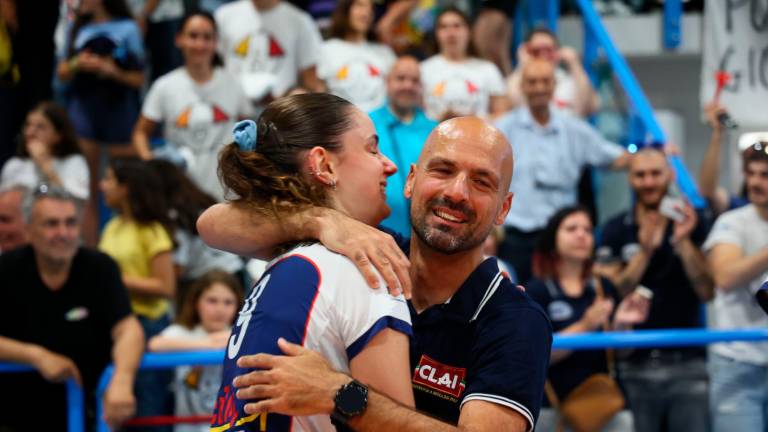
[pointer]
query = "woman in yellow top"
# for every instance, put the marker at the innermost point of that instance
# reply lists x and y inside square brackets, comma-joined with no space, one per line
[138,239]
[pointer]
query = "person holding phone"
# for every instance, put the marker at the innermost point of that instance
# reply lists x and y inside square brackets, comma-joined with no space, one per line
[646,246]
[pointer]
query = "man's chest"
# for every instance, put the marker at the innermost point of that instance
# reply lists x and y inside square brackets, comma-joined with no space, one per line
[441,359]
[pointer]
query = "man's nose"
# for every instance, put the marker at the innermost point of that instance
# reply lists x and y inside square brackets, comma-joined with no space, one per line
[457,189]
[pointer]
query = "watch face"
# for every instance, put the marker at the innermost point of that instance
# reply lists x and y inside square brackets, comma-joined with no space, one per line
[352,399]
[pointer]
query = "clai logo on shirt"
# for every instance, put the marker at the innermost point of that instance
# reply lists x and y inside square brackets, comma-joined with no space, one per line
[76,314]
[437,376]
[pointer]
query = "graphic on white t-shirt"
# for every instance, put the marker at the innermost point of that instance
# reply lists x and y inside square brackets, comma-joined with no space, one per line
[457,95]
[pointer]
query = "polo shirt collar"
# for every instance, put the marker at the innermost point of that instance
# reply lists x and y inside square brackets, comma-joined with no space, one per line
[392,119]
[527,121]
[472,296]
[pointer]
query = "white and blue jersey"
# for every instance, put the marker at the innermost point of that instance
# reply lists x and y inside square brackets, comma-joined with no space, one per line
[313,297]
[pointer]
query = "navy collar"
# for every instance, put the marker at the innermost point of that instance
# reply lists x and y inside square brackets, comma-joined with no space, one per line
[470,298]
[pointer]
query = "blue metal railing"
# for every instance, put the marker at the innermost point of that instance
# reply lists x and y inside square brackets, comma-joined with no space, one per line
[626,339]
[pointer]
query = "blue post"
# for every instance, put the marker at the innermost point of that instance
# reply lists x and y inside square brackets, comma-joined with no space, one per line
[655,338]
[673,13]
[75,407]
[75,400]
[636,95]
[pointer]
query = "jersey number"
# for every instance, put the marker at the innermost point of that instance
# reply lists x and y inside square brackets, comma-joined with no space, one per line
[236,340]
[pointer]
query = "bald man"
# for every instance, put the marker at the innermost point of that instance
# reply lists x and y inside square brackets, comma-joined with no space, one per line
[551,149]
[402,128]
[481,347]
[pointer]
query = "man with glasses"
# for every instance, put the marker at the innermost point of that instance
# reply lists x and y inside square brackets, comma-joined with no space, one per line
[737,251]
[65,312]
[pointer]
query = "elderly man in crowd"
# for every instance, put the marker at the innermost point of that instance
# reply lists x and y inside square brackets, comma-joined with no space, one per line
[65,312]
[551,148]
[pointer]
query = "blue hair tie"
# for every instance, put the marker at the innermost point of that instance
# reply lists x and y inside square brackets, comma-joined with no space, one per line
[244,133]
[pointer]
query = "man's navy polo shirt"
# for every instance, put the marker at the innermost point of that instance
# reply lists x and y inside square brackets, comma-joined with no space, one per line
[675,303]
[488,342]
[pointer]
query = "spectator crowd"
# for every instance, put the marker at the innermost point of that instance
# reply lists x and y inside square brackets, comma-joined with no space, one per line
[110,153]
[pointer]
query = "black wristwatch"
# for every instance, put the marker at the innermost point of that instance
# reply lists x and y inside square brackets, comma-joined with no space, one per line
[350,401]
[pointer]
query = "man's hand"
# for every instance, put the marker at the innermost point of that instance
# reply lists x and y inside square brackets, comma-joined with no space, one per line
[711,111]
[650,232]
[298,384]
[633,310]
[55,367]
[684,229]
[523,54]
[119,402]
[368,248]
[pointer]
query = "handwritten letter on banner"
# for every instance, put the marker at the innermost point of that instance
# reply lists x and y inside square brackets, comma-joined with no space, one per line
[736,41]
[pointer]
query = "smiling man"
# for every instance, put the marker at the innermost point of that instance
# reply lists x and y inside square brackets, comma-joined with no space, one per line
[481,347]
[63,311]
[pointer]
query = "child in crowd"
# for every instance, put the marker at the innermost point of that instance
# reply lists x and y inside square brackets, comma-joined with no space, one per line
[186,202]
[351,63]
[204,322]
[48,153]
[103,67]
[139,239]
[198,104]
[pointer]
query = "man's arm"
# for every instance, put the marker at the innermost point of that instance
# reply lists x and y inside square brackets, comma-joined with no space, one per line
[53,367]
[696,268]
[234,228]
[303,383]
[127,348]
[731,269]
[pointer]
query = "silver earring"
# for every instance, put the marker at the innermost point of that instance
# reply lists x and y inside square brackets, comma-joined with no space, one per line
[333,184]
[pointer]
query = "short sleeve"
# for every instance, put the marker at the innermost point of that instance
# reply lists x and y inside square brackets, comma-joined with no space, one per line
[510,360]
[153,101]
[75,176]
[726,230]
[495,81]
[310,43]
[364,312]
[155,239]
[115,303]
[324,61]
[595,150]
[135,44]
[609,249]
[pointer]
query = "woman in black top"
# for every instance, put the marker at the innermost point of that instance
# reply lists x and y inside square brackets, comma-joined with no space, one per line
[565,287]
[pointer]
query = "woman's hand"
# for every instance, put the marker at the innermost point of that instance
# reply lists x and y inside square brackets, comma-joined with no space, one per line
[598,314]
[38,151]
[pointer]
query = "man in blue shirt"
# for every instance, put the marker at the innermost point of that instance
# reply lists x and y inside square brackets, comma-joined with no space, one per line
[402,128]
[551,148]
[481,346]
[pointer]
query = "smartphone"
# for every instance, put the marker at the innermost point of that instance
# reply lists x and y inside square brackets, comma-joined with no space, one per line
[673,208]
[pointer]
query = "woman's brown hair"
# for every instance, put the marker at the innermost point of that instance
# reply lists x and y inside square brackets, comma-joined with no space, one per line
[188,316]
[471,49]
[268,179]
[59,118]
[545,255]
[340,27]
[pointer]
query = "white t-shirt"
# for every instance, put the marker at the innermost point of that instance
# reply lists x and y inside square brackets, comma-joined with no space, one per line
[316,298]
[197,258]
[166,9]
[356,71]
[195,387]
[197,119]
[72,171]
[267,49]
[738,308]
[464,88]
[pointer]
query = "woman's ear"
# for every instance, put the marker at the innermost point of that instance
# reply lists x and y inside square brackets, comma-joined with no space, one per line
[322,166]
